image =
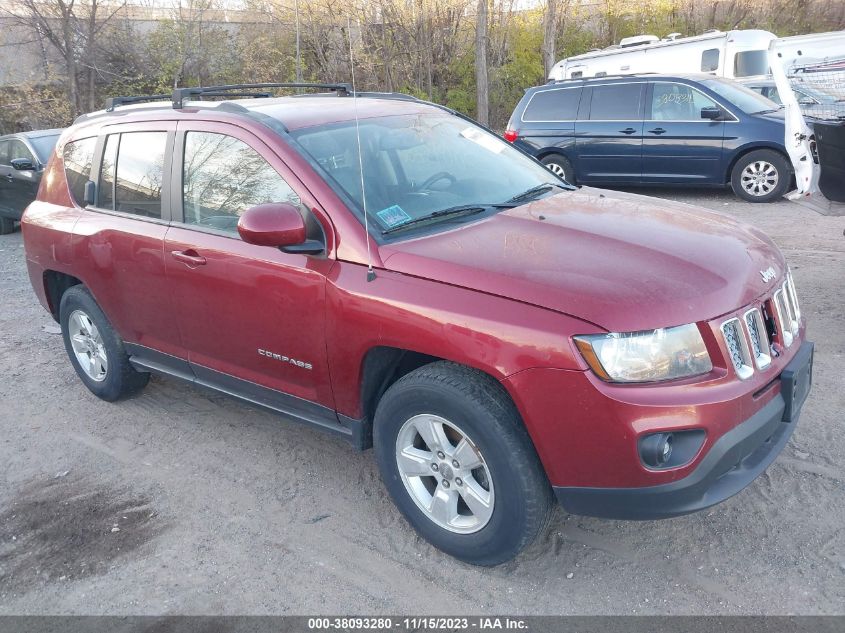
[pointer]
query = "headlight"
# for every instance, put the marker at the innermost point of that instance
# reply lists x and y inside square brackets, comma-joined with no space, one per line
[648,356]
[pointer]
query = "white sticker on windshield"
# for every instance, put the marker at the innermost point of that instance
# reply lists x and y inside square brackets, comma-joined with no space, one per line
[487,141]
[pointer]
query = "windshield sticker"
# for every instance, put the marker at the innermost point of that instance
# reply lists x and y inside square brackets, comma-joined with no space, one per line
[393,216]
[487,141]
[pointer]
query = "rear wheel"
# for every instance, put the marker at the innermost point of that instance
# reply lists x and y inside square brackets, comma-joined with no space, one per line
[560,167]
[459,465]
[95,350]
[7,225]
[761,176]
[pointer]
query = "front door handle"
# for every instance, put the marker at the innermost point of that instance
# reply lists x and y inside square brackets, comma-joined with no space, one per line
[657,130]
[189,257]
[627,130]
[9,178]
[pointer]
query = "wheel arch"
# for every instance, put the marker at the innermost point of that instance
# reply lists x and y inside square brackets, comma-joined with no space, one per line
[55,285]
[747,149]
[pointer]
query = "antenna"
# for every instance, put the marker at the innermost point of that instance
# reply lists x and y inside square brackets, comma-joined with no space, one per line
[371,274]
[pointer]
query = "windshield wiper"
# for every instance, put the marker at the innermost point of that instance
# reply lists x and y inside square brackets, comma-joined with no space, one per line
[534,192]
[459,210]
[769,111]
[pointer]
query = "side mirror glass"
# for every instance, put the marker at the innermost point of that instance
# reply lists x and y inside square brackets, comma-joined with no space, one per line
[711,112]
[278,224]
[23,164]
[89,194]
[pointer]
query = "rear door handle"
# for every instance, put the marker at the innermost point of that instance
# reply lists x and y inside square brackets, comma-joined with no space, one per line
[657,130]
[189,257]
[627,130]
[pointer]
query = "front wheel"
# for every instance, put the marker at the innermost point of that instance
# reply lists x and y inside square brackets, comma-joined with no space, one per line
[459,465]
[7,225]
[761,176]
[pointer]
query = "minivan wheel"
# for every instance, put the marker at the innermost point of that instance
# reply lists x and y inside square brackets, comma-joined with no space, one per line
[761,176]
[560,167]
[95,350]
[459,465]
[7,225]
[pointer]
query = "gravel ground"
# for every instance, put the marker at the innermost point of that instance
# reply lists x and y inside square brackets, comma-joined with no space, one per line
[184,502]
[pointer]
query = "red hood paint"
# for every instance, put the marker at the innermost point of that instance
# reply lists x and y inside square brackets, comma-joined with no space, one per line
[622,261]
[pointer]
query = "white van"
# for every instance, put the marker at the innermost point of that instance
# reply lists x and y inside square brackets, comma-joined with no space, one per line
[724,53]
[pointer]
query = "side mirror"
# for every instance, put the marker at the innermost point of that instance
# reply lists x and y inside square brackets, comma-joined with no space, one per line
[278,224]
[712,113]
[23,164]
[89,194]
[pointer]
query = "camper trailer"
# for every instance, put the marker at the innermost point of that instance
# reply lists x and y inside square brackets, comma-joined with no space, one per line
[729,54]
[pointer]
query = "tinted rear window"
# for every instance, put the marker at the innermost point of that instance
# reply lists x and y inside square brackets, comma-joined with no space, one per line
[553,105]
[616,102]
[78,157]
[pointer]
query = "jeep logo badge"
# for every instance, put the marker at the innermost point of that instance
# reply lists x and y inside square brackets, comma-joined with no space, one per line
[768,274]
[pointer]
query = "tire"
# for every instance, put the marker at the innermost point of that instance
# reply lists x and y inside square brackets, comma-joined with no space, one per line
[560,167]
[761,176]
[7,225]
[113,379]
[463,403]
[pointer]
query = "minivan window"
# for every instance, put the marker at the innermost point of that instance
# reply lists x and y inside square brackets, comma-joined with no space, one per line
[139,174]
[223,177]
[17,149]
[751,63]
[559,104]
[4,152]
[742,97]
[710,60]
[616,102]
[677,102]
[78,158]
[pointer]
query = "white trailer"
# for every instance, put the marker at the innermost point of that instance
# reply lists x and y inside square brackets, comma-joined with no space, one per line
[741,53]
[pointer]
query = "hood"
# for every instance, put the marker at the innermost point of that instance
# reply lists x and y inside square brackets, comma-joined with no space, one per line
[621,261]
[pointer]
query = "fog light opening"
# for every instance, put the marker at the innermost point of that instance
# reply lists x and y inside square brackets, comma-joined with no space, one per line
[656,450]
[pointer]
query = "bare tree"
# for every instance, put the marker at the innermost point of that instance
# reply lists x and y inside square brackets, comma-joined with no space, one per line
[482,100]
[549,35]
[71,27]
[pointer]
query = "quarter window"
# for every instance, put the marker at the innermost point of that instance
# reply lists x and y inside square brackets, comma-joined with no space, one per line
[223,177]
[678,102]
[78,157]
[710,60]
[4,152]
[553,105]
[616,102]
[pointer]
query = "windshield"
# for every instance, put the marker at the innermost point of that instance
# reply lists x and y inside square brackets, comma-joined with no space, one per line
[743,98]
[417,165]
[43,146]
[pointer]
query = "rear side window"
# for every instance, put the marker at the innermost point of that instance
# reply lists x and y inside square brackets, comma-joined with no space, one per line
[132,173]
[710,60]
[223,177]
[616,102]
[78,157]
[4,152]
[553,105]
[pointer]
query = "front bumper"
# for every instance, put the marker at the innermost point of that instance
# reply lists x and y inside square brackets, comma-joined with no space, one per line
[731,464]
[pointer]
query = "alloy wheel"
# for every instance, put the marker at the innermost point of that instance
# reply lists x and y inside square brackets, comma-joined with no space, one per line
[87,344]
[759,178]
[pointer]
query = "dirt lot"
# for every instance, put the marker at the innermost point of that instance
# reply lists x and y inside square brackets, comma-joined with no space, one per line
[182,502]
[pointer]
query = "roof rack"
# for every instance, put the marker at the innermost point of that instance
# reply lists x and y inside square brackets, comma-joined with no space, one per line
[114,102]
[181,94]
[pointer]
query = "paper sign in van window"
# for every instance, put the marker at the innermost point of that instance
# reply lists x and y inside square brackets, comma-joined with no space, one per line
[488,142]
[393,216]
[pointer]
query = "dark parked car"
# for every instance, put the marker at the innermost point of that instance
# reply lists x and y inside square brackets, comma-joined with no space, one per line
[22,160]
[692,130]
[814,100]
[499,337]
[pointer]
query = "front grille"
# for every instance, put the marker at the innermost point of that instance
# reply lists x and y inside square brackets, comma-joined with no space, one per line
[749,340]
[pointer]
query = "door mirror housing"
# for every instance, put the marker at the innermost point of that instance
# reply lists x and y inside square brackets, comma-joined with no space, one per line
[712,113]
[278,224]
[23,164]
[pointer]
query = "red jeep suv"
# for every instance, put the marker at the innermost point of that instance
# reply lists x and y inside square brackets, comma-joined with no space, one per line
[389,271]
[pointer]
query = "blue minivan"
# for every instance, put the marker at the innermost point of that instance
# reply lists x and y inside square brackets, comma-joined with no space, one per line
[656,130]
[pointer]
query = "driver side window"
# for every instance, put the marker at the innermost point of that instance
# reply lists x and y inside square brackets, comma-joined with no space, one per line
[223,177]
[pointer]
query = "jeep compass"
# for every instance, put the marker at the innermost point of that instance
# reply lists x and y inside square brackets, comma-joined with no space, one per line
[391,272]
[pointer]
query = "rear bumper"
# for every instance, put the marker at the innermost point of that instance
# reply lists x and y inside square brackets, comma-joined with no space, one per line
[731,464]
